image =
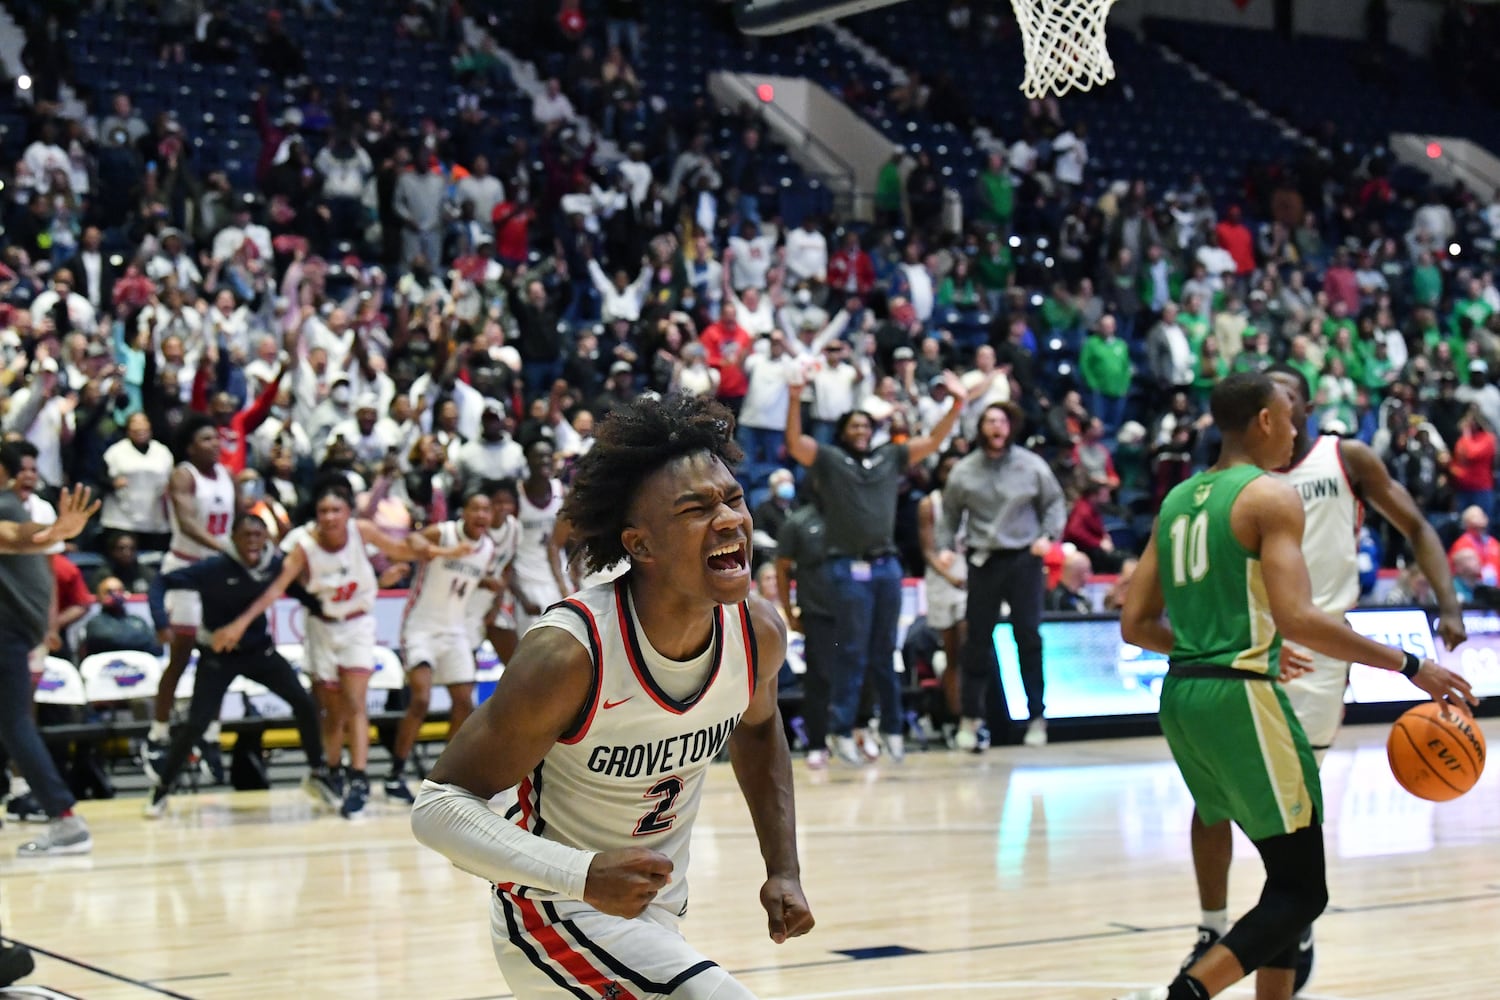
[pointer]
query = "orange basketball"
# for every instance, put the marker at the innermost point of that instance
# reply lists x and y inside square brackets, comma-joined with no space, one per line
[1436,753]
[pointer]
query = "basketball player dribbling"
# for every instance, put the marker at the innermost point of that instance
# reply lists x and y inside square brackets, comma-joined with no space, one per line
[436,637]
[328,558]
[201,500]
[607,718]
[1333,478]
[1225,565]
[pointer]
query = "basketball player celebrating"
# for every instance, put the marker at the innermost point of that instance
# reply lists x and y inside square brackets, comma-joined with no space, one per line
[436,637]
[1333,478]
[490,608]
[201,500]
[614,705]
[328,558]
[538,582]
[945,581]
[1233,582]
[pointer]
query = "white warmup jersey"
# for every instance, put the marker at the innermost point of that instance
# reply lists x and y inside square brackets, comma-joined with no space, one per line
[439,595]
[504,538]
[631,771]
[343,581]
[214,502]
[215,513]
[532,567]
[1330,546]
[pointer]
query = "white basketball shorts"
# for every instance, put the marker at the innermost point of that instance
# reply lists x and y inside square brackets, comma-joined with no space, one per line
[335,646]
[448,654]
[946,604]
[566,949]
[1318,701]
[184,607]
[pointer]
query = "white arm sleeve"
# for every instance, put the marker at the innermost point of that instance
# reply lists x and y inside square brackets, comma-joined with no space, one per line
[460,826]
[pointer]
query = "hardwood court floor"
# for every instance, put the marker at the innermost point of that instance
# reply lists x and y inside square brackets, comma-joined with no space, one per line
[1059,873]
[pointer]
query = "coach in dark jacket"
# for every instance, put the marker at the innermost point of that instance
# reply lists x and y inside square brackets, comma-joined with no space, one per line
[228,585]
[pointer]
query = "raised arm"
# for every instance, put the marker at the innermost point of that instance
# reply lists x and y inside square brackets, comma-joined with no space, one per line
[1373,484]
[802,447]
[918,449]
[1274,512]
[74,508]
[763,767]
[543,694]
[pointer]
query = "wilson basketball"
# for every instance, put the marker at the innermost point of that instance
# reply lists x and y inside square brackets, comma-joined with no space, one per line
[1436,753]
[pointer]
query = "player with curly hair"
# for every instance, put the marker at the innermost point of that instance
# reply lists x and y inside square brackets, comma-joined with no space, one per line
[607,718]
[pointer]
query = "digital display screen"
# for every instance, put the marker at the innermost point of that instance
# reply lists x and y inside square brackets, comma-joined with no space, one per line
[1092,672]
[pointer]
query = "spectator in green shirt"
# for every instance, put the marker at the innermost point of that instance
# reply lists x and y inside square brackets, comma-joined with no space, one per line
[997,194]
[996,269]
[888,191]
[958,290]
[1349,352]
[1060,312]
[1256,357]
[1107,372]
[1426,282]
[1210,367]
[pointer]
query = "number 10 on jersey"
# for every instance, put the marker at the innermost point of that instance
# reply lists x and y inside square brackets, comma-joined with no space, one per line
[1189,548]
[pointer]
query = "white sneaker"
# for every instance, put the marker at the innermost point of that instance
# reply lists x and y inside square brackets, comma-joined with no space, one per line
[895,745]
[845,750]
[967,737]
[817,760]
[1036,733]
[1155,993]
[65,835]
[869,746]
[156,804]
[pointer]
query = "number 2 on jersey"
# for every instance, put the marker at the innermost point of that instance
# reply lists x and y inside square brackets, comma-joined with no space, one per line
[1189,548]
[661,817]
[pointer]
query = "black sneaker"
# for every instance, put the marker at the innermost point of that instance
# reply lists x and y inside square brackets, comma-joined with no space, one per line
[1207,938]
[356,797]
[26,809]
[15,963]
[212,761]
[153,756]
[395,788]
[1304,960]
[320,787]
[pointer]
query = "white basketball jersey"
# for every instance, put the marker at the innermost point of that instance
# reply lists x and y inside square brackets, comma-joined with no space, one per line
[439,595]
[342,581]
[631,771]
[531,563]
[506,538]
[1330,537]
[215,514]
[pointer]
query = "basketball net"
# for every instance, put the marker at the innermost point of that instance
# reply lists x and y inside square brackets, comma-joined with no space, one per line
[1064,45]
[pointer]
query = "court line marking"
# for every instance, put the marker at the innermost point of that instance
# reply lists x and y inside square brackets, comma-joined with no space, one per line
[1012,984]
[117,976]
[199,975]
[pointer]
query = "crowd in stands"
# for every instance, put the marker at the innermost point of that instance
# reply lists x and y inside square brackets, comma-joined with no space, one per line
[415,301]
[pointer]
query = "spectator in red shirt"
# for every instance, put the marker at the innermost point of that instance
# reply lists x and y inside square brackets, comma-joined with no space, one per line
[1085,529]
[512,221]
[1478,540]
[73,600]
[726,344]
[1235,238]
[235,425]
[1473,465]
[1340,284]
[850,270]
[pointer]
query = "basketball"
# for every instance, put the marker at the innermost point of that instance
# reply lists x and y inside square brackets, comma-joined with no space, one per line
[1436,753]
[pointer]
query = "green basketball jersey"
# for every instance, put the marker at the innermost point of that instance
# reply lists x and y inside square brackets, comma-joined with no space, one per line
[1215,593]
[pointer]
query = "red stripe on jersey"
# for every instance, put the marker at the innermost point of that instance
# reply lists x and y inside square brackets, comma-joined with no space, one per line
[559,951]
[748,636]
[598,654]
[523,799]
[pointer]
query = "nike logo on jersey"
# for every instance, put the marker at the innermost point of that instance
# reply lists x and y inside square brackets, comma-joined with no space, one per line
[616,704]
[232,580]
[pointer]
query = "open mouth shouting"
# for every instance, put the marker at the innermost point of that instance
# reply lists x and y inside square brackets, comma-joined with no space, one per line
[731,559]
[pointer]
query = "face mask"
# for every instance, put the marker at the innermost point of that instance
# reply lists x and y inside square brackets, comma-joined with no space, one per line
[785,491]
[803,296]
[339,394]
